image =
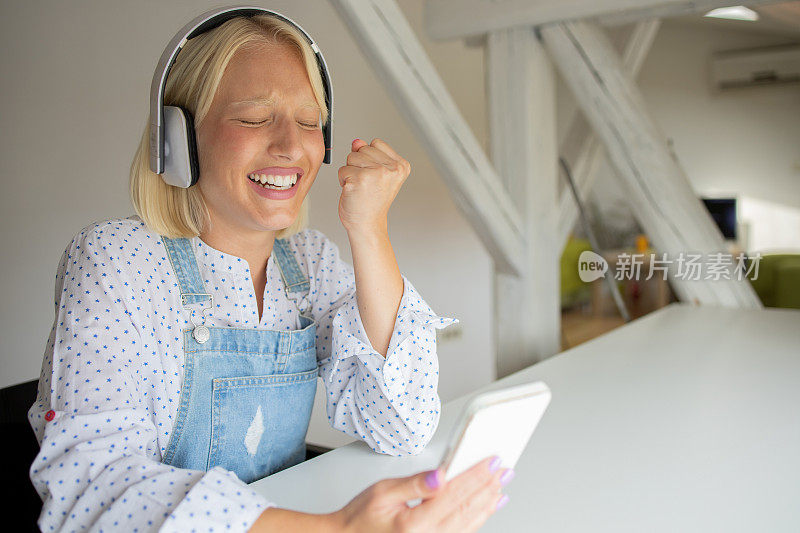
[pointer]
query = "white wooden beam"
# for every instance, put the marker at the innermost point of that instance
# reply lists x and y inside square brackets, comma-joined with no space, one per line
[401,63]
[658,190]
[449,19]
[521,91]
[581,148]
[638,45]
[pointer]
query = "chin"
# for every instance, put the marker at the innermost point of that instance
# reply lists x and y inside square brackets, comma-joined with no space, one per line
[276,223]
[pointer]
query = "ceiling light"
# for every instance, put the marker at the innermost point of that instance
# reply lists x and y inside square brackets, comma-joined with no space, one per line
[733,13]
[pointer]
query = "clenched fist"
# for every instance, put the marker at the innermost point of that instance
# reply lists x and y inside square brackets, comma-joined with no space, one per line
[370,181]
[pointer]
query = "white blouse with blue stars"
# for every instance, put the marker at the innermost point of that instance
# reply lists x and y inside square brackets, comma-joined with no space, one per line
[113,367]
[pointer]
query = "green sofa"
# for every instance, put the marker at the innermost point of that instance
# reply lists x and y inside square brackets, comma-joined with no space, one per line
[573,290]
[778,280]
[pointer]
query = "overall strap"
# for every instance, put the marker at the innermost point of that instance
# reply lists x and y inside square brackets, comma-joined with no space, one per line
[184,264]
[294,280]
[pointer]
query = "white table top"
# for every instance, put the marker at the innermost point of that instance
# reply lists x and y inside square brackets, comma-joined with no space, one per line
[687,419]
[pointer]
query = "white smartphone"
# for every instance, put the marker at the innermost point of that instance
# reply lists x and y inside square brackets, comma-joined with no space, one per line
[498,422]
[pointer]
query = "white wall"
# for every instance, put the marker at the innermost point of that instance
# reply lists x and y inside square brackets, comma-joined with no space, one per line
[75,86]
[743,143]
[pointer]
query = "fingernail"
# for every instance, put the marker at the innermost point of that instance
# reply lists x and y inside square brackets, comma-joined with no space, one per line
[507,476]
[495,464]
[356,139]
[432,479]
[502,501]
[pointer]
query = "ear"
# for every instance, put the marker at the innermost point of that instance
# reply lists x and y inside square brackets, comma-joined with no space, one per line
[181,167]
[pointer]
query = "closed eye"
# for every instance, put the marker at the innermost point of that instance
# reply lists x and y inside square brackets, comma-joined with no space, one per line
[258,123]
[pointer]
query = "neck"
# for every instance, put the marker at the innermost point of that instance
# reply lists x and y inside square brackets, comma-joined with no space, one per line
[253,246]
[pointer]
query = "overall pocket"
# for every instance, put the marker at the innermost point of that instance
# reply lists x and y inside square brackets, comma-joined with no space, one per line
[259,423]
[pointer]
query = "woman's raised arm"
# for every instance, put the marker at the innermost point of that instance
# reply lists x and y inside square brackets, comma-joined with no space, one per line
[389,402]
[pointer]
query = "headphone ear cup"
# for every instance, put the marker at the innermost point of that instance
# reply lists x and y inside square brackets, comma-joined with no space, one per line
[181,168]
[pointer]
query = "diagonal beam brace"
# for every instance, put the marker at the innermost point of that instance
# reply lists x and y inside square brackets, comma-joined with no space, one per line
[581,148]
[659,191]
[396,54]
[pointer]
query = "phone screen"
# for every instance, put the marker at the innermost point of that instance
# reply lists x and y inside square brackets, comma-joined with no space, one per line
[497,423]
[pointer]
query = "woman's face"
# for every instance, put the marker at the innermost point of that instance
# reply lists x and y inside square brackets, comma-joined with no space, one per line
[263,121]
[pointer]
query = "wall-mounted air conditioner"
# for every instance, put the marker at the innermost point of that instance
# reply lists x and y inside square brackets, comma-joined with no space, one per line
[758,66]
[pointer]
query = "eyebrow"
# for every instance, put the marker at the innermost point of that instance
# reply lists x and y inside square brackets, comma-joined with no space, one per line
[266,101]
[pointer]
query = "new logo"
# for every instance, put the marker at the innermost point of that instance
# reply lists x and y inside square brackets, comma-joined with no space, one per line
[591,266]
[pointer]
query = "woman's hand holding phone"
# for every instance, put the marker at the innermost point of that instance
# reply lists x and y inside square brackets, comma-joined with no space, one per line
[460,505]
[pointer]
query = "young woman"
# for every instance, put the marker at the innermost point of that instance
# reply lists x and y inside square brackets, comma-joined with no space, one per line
[187,340]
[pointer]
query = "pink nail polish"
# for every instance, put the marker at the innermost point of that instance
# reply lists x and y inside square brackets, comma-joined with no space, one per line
[432,479]
[507,476]
[495,464]
[503,501]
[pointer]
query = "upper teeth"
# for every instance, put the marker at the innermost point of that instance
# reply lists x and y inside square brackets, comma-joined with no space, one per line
[275,180]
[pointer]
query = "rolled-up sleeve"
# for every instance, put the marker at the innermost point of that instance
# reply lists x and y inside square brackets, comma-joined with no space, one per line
[99,463]
[390,403]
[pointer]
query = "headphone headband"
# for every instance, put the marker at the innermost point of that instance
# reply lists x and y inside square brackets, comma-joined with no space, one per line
[201,24]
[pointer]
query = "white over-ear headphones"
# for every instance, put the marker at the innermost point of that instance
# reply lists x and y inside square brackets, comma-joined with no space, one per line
[173,149]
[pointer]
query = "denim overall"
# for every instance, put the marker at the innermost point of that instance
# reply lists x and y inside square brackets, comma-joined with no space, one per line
[247,394]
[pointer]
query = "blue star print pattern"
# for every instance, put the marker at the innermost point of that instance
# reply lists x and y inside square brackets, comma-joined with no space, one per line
[113,366]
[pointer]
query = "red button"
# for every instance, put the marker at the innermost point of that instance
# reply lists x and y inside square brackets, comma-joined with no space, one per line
[49,415]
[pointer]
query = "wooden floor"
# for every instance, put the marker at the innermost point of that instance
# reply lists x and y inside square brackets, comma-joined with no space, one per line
[578,326]
[586,321]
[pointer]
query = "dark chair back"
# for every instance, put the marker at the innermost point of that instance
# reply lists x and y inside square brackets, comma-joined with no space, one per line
[18,448]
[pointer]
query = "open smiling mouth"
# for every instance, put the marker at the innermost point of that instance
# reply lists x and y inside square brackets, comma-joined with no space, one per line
[275,182]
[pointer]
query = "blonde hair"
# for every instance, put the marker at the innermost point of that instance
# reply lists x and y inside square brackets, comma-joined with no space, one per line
[191,84]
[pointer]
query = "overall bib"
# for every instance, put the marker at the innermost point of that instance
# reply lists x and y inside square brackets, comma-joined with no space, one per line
[247,394]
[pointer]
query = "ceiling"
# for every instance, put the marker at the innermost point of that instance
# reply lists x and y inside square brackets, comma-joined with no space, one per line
[775,19]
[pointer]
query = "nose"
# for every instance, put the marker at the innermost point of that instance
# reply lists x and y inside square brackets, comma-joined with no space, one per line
[285,140]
